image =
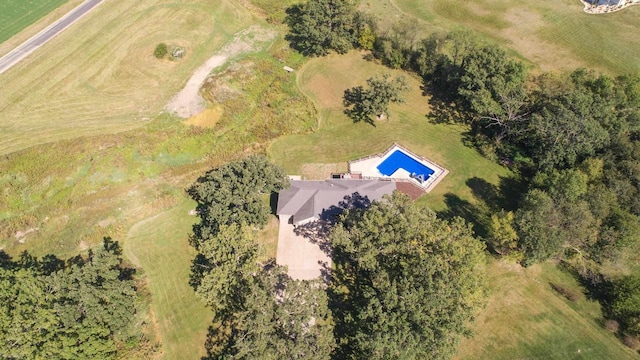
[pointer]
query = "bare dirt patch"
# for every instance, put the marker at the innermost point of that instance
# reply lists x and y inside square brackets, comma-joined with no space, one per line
[207,119]
[188,101]
[21,235]
[218,89]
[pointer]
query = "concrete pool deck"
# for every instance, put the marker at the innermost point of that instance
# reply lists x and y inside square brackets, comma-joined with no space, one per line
[367,167]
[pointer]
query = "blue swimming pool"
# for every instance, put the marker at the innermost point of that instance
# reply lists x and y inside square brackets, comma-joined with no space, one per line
[399,160]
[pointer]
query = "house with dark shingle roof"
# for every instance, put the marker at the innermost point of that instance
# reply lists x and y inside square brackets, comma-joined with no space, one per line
[306,201]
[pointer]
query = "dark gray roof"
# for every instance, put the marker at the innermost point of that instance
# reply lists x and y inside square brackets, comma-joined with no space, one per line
[314,199]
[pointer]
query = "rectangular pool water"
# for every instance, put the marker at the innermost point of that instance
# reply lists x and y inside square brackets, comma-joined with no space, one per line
[399,160]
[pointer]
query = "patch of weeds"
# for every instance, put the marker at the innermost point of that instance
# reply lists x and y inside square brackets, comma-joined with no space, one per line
[260,97]
[67,189]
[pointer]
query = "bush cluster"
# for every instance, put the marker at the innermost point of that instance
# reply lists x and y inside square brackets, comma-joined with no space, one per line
[161,51]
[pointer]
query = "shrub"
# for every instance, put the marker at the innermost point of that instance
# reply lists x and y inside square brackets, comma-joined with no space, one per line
[624,306]
[161,51]
[632,342]
[571,294]
[612,325]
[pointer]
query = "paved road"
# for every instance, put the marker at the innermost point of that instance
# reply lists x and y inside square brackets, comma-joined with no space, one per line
[31,45]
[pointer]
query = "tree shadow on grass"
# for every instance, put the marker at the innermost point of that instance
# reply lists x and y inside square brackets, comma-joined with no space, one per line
[512,189]
[474,215]
[220,337]
[444,112]
[504,196]
[486,192]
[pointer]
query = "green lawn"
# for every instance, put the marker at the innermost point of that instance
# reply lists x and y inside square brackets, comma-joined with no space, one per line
[526,319]
[160,246]
[552,35]
[16,15]
[338,139]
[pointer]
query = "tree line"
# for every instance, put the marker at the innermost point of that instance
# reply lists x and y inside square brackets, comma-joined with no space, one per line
[570,139]
[403,284]
[79,308]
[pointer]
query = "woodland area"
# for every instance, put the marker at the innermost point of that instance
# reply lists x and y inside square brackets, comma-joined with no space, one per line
[406,282]
[78,308]
[571,141]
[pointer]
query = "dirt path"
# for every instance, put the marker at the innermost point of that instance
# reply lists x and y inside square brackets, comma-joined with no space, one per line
[188,101]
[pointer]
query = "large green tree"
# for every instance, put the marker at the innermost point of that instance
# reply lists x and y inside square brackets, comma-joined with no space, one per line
[28,322]
[284,319]
[260,312]
[573,120]
[492,85]
[367,104]
[224,267]
[95,303]
[318,26]
[556,226]
[405,284]
[230,194]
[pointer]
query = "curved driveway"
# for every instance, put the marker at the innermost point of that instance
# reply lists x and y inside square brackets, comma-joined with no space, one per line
[31,45]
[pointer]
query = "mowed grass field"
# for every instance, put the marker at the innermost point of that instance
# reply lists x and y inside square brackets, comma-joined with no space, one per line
[160,246]
[551,35]
[100,75]
[16,15]
[526,319]
[64,197]
[339,139]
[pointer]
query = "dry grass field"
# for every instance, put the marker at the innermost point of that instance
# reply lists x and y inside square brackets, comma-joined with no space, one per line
[526,318]
[100,75]
[551,35]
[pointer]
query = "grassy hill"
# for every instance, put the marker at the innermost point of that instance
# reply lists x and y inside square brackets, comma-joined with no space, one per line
[160,246]
[526,318]
[551,35]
